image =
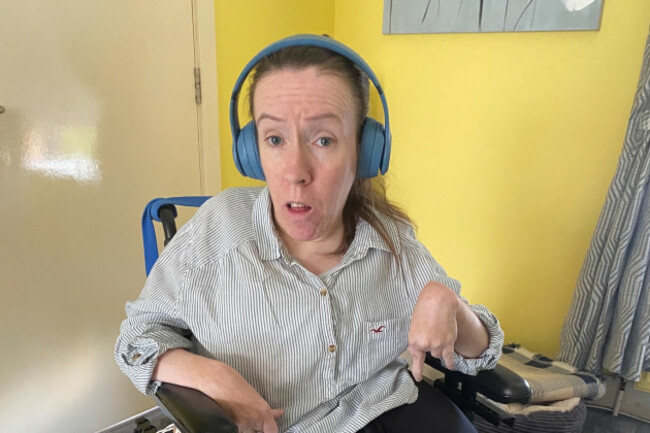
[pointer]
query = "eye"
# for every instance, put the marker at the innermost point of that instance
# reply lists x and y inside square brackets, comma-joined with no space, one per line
[324,141]
[274,140]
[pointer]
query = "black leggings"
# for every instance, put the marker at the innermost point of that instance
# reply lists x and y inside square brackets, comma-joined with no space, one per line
[432,412]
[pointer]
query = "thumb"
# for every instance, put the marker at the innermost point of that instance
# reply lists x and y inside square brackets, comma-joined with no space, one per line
[277,413]
[418,362]
[448,356]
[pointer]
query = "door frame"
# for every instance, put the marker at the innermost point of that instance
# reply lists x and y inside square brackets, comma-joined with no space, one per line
[205,58]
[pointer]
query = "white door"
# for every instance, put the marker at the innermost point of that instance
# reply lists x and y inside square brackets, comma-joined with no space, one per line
[99,117]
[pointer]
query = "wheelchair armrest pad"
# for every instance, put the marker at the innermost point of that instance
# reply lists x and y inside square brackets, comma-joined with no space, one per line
[192,411]
[500,384]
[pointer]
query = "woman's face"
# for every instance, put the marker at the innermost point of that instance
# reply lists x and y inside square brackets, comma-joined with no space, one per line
[306,130]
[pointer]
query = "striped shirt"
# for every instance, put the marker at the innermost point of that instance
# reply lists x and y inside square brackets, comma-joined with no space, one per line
[323,347]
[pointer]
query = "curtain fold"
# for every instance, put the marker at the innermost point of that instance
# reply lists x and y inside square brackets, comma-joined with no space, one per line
[607,326]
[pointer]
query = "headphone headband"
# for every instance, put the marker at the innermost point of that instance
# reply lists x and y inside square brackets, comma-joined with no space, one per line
[312,41]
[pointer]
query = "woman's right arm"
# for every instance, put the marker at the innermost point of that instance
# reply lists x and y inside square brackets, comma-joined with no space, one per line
[153,347]
[223,384]
[154,342]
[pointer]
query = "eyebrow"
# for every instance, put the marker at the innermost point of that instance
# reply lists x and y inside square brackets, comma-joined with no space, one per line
[268,116]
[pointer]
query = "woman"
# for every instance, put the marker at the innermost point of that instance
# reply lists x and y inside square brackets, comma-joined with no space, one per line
[301,296]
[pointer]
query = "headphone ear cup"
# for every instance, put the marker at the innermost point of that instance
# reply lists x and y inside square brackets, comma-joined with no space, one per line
[371,154]
[247,153]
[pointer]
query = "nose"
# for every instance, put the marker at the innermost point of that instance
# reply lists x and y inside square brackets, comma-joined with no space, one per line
[297,165]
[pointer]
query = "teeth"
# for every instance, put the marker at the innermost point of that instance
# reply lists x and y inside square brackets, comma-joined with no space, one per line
[296,205]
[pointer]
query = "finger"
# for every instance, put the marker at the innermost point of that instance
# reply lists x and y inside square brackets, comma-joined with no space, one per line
[418,362]
[277,413]
[269,425]
[247,429]
[448,356]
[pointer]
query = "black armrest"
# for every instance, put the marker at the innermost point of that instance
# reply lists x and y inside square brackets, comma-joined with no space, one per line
[500,384]
[192,411]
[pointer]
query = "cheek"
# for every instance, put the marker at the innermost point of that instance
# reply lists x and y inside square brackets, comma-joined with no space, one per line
[264,157]
[270,168]
[341,180]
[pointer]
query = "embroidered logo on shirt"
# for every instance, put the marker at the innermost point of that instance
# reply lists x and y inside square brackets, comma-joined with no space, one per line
[377,330]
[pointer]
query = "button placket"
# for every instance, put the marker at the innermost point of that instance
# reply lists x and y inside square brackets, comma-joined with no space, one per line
[328,337]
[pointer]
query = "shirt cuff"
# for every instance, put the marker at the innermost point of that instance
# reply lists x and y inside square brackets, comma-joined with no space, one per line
[491,355]
[139,359]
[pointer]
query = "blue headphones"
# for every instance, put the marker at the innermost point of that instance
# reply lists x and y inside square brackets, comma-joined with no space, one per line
[375,139]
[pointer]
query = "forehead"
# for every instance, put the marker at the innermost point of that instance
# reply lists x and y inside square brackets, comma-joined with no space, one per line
[308,90]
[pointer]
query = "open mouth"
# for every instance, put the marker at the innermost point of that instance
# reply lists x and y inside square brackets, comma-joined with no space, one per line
[295,207]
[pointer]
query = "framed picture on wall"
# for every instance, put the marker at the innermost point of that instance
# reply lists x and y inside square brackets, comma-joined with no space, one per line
[470,16]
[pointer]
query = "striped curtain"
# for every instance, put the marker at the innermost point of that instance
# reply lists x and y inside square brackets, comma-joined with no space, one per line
[608,323]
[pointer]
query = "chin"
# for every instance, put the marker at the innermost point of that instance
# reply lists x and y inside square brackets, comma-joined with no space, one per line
[300,232]
[302,235]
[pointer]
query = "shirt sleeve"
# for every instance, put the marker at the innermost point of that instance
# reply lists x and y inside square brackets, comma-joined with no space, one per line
[153,324]
[423,268]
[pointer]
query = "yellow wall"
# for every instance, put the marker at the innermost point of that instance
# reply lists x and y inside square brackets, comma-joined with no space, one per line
[504,147]
[504,144]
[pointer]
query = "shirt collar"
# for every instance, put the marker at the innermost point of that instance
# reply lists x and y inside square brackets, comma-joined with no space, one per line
[267,240]
[366,237]
[271,248]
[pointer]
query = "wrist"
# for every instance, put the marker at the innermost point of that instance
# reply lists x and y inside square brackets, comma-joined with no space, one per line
[473,337]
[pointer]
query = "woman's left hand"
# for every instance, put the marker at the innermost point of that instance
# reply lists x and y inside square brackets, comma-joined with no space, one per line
[434,328]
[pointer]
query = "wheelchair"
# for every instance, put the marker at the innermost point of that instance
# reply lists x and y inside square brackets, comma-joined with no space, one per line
[194,412]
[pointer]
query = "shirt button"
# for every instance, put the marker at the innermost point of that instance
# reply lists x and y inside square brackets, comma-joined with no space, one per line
[331,348]
[323,292]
